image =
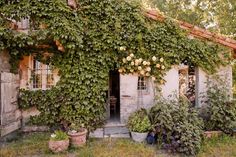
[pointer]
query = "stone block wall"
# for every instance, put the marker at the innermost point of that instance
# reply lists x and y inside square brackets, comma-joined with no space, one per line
[10,115]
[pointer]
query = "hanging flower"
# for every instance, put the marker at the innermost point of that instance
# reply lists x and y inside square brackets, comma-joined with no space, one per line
[139,68]
[158,65]
[148,63]
[140,60]
[122,48]
[161,59]
[124,60]
[147,74]
[144,63]
[120,70]
[132,63]
[136,62]
[153,78]
[128,58]
[163,67]
[142,72]
[154,58]
[148,69]
[131,70]
[131,55]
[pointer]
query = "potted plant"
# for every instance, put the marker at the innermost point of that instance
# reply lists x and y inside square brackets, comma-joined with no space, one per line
[58,142]
[139,125]
[77,135]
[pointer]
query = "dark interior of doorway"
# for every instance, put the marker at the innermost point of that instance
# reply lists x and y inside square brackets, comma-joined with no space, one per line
[114,91]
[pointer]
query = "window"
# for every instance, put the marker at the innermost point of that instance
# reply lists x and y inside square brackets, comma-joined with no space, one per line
[41,75]
[142,84]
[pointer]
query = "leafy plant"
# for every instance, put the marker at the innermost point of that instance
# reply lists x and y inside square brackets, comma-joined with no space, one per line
[177,125]
[59,136]
[220,110]
[139,121]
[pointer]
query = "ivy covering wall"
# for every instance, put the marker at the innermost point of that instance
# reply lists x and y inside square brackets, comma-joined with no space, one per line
[95,37]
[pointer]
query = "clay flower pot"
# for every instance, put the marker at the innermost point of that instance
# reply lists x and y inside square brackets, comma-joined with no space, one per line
[78,138]
[58,146]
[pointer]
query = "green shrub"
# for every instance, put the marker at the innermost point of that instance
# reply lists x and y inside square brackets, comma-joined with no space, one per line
[220,112]
[59,136]
[139,121]
[177,125]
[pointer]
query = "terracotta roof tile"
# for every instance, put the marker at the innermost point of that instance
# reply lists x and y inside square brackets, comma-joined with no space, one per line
[196,31]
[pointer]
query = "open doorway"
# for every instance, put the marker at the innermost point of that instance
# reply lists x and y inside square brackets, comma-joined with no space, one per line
[187,83]
[114,96]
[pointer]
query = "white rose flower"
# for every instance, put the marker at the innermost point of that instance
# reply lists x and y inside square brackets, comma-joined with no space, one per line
[136,62]
[122,48]
[128,58]
[131,70]
[162,67]
[147,74]
[153,78]
[124,60]
[53,135]
[144,63]
[148,69]
[131,55]
[139,68]
[158,65]
[120,70]
[132,63]
[148,63]
[142,72]
[161,59]
[154,58]
[162,82]
[140,60]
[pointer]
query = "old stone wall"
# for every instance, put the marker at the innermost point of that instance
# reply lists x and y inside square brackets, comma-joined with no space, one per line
[10,115]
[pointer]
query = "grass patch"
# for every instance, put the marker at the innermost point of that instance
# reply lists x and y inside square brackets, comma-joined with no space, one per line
[224,146]
[37,145]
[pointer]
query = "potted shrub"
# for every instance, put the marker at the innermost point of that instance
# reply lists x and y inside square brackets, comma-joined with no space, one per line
[139,125]
[77,135]
[58,142]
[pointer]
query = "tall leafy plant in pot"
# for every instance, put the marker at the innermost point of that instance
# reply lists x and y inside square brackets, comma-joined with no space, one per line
[139,125]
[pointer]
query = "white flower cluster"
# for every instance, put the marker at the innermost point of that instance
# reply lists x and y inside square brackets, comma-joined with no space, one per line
[53,135]
[131,64]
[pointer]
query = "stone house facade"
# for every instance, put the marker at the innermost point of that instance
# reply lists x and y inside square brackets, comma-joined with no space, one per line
[126,92]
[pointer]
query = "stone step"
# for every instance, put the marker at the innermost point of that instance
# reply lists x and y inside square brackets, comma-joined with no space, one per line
[115,130]
[111,131]
[118,136]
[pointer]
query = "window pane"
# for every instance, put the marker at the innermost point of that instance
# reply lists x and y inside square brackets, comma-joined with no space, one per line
[42,76]
[142,83]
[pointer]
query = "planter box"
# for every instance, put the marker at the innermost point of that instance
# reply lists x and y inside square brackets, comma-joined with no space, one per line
[139,137]
[210,134]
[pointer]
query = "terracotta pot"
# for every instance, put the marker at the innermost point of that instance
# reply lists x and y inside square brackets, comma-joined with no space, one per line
[209,134]
[78,139]
[58,146]
[139,137]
